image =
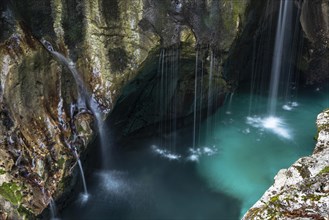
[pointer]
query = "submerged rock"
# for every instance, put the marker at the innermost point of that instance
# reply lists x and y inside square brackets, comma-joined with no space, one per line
[302,190]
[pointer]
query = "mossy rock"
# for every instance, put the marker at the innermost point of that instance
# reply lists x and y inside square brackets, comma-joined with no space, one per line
[11,192]
[324,170]
[25,213]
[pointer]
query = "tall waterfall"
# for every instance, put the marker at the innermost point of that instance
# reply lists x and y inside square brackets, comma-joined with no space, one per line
[168,80]
[85,98]
[195,99]
[85,101]
[53,210]
[281,37]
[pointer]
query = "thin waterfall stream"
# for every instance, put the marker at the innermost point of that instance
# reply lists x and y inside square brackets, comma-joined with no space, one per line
[218,155]
[85,194]
[85,101]
[164,109]
[284,19]
[272,121]
[195,99]
[53,210]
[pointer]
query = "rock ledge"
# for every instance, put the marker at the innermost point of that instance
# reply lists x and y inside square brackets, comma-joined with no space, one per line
[302,190]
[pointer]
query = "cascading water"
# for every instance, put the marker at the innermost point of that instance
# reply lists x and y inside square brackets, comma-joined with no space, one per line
[53,210]
[85,194]
[168,79]
[280,75]
[167,102]
[266,132]
[85,100]
[195,98]
[210,87]
[229,104]
[145,186]
[284,20]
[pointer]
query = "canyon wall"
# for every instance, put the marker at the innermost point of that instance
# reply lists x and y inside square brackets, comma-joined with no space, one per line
[42,123]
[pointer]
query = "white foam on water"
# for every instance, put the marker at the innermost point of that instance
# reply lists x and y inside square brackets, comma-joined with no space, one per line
[193,154]
[165,153]
[273,124]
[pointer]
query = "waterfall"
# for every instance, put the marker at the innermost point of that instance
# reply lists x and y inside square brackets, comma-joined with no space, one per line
[253,77]
[229,104]
[284,18]
[82,92]
[210,86]
[210,98]
[53,210]
[85,195]
[84,98]
[195,98]
[280,73]
[168,80]
[162,92]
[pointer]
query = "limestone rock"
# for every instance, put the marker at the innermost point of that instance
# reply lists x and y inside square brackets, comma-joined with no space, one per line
[315,23]
[108,41]
[301,191]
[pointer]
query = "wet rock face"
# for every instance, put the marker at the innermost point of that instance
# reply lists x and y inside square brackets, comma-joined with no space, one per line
[38,94]
[214,23]
[162,97]
[110,42]
[315,23]
[302,190]
[163,91]
[35,127]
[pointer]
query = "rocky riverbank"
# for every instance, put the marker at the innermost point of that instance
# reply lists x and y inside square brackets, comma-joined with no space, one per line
[302,190]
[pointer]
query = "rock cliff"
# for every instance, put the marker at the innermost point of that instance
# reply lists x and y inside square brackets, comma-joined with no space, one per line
[42,123]
[112,44]
[302,190]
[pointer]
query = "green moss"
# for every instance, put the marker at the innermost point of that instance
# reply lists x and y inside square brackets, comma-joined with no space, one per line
[11,192]
[231,18]
[323,127]
[61,162]
[274,199]
[2,171]
[311,197]
[324,170]
[25,213]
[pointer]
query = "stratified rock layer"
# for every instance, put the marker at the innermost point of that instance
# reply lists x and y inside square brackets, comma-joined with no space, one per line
[302,190]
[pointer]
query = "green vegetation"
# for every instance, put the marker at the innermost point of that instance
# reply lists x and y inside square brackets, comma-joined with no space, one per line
[11,192]
[231,15]
[311,197]
[324,170]
[2,171]
[274,198]
[61,162]
[24,213]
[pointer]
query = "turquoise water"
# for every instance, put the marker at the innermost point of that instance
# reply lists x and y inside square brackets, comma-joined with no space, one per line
[223,176]
[252,147]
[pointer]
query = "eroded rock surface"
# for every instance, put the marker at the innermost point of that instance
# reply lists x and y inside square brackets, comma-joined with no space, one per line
[315,23]
[42,123]
[302,190]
